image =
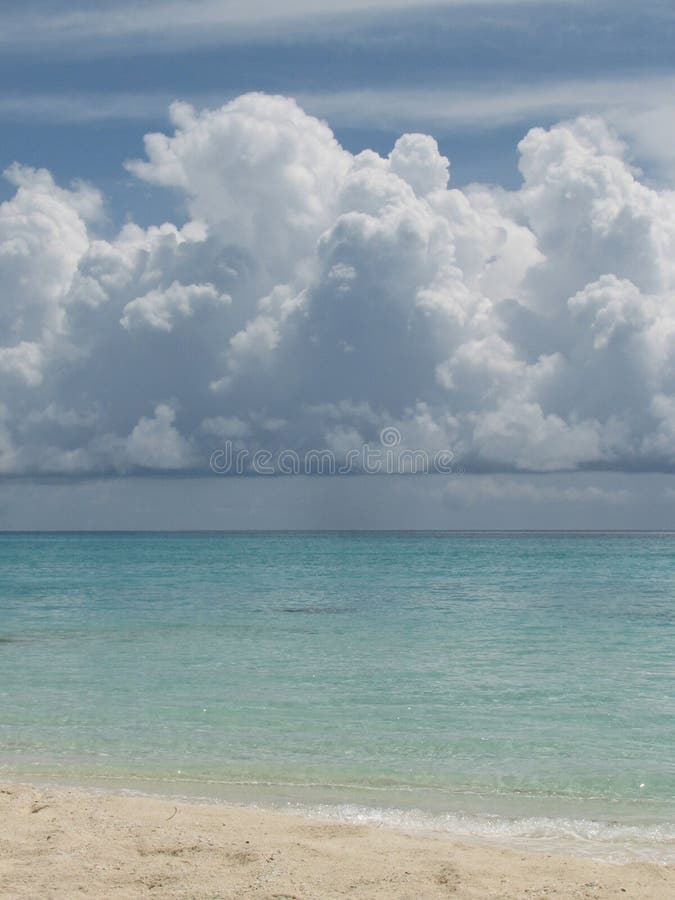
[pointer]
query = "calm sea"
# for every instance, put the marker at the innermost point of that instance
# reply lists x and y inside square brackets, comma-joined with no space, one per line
[517,686]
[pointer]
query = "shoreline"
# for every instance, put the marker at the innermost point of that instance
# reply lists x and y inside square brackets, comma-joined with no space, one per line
[594,833]
[60,842]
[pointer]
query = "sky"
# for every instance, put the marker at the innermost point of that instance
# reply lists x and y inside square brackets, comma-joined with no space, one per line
[425,230]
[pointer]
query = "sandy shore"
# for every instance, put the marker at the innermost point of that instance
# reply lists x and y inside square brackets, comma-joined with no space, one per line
[69,843]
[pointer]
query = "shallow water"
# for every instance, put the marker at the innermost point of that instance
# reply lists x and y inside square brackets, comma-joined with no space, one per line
[518,686]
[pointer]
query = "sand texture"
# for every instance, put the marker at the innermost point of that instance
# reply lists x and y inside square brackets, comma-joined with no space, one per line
[71,843]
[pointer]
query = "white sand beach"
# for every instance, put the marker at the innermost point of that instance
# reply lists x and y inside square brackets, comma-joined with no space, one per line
[63,843]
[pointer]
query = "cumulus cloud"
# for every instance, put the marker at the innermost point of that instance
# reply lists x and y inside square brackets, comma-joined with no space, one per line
[312,297]
[259,171]
[160,309]
[43,237]
[155,443]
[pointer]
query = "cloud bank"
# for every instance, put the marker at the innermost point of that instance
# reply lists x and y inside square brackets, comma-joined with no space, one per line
[312,297]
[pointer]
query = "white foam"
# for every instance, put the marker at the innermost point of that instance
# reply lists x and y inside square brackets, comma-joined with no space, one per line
[609,840]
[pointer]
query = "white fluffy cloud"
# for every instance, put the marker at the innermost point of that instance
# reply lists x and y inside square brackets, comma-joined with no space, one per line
[313,297]
[160,309]
[155,443]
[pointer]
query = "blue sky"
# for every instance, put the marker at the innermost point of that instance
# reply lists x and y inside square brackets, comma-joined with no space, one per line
[230,268]
[79,91]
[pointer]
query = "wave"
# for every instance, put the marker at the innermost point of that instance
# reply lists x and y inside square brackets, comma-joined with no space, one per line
[608,840]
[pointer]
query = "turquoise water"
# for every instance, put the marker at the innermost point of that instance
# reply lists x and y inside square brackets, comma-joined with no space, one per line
[518,686]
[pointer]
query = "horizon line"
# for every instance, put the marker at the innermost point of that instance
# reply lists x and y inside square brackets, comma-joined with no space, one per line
[327,531]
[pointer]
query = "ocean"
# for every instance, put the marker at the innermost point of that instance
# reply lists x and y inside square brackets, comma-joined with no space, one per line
[517,687]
